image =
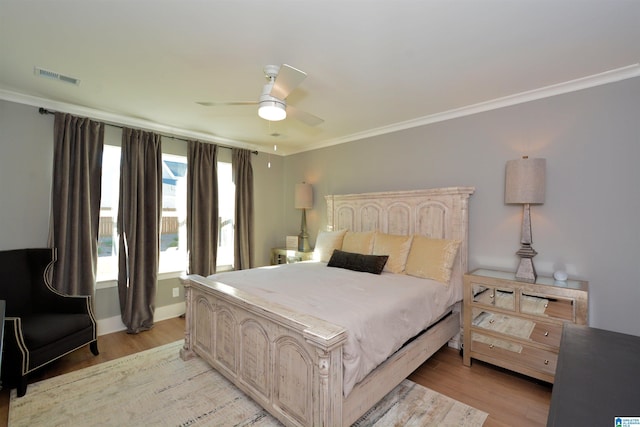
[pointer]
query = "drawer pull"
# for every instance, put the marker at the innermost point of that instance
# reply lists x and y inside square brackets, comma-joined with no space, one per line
[546,362]
[490,345]
[546,305]
[546,334]
[491,296]
[492,321]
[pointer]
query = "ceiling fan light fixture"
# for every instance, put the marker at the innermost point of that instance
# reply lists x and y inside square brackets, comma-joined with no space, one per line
[272,110]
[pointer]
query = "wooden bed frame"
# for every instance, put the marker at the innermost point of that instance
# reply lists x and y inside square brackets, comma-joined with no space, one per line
[291,363]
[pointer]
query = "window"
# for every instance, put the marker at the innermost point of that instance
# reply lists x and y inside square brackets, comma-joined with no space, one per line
[226,209]
[108,234]
[173,232]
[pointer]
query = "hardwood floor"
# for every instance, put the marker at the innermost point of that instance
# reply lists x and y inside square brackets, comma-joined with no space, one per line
[510,399]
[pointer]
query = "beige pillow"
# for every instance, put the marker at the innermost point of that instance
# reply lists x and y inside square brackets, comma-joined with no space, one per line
[432,258]
[326,242]
[394,245]
[359,242]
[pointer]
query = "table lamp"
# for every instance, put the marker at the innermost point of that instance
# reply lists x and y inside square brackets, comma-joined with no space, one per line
[525,185]
[304,201]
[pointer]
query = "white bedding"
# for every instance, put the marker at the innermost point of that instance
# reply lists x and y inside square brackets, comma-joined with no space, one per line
[380,312]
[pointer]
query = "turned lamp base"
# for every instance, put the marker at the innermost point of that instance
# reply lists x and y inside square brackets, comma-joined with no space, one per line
[303,237]
[526,272]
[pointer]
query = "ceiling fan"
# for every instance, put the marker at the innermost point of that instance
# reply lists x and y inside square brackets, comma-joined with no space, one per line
[272,104]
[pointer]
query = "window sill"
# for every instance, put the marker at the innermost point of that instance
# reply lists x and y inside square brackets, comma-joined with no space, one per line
[113,282]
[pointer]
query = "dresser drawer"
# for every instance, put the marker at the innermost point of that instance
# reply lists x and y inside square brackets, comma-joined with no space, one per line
[514,353]
[547,333]
[494,297]
[552,307]
[517,327]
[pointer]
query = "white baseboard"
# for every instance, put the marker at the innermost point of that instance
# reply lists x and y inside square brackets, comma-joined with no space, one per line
[114,324]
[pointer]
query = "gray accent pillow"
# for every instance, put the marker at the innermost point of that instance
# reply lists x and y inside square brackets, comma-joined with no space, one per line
[358,262]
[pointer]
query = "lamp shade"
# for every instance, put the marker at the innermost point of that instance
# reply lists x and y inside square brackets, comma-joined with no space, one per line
[525,181]
[304,196]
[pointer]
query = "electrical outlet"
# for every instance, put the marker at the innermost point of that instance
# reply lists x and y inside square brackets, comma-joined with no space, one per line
[176,292]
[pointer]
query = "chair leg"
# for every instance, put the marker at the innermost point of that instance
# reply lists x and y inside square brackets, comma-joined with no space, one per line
[22,386]
[94,347]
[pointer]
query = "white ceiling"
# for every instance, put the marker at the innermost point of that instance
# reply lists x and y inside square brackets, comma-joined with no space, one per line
[373,66]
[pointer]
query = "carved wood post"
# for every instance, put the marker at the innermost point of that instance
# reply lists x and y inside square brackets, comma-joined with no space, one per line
[328,409]
[324,398]
[186,352]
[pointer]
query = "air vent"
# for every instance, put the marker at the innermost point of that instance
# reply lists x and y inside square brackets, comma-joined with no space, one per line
[41,72]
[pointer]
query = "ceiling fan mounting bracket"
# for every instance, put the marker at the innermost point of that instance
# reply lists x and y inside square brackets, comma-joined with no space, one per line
[266,95]
[271,72]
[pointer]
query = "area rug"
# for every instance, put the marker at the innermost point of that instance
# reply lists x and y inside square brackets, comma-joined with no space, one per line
[157,388]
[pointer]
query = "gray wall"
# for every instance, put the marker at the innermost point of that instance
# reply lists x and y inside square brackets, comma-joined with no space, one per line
[26,165]
[588,224]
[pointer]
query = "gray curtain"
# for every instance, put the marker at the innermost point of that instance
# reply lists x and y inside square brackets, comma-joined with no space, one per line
[243,179]
[75,202]
[139,216]
[202,207]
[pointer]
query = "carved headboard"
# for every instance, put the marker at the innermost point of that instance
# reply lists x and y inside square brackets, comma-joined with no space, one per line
[439,213]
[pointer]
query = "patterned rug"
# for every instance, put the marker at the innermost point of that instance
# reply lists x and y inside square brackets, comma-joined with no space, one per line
[157,388]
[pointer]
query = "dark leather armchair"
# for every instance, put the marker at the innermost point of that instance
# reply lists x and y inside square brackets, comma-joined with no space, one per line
[41,324]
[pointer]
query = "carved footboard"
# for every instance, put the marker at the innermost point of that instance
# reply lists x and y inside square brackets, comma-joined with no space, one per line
[291,363]
[288,362]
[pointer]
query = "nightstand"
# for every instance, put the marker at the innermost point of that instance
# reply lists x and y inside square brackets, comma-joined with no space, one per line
[518,325]
[288,256]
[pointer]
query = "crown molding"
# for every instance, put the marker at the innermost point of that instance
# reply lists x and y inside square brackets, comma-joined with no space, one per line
[600,79]
[587,82]
[121,120]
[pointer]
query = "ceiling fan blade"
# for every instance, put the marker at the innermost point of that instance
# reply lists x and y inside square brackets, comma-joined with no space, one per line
[303,116]
[214,104]
[287,80]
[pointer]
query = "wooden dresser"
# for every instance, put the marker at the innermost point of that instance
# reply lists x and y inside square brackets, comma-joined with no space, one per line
[518,325]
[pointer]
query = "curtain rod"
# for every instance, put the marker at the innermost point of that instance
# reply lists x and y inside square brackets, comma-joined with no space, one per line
[42,110]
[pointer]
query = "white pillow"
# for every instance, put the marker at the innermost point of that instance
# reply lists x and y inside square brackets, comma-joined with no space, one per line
[326,243]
